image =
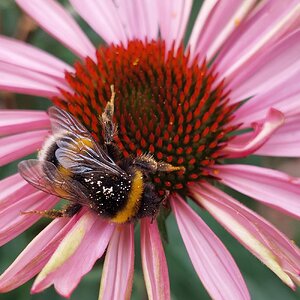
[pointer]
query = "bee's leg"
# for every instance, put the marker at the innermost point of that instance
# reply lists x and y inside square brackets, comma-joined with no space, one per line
[150,202]
[148,163]
[165,167]
[51,214]
[162,201]
[69,211]
[109,127]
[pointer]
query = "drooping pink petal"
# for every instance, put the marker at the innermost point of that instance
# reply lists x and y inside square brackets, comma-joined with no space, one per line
[263,130]
[13,222]
[285,141]
[35,255]
[117,275]
[16,121]
[275,66]
[212,30]
[211,260]
[26,56]
[266,26]
[75,255]
[256,234]
[271,187]
[14,188]
[19,80]
[103,17]
[173,16]
[49,12]
[20,145]
[139,18]
[154,262]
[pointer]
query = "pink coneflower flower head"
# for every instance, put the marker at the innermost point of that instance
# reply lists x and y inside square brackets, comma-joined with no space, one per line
[231,91]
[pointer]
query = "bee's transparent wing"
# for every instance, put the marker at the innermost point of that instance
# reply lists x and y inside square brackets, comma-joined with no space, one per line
[45,176]
[78,151]
[64,121]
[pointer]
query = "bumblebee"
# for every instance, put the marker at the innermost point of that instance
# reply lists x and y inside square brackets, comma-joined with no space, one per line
[73,166]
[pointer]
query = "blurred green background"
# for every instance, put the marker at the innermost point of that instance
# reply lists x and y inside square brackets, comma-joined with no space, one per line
[262,283]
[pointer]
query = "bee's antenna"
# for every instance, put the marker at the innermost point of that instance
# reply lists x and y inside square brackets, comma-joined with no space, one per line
[113,95]
[109,127]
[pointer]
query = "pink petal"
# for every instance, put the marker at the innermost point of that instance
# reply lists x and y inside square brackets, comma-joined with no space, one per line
[285,141]
[205,12]
[255,233]
[154,262]
[173,16]
[35,255]
[25,56]
[219,24]
[278,97]
[230,18]
[265,27]
[20,145]
[289,132]
[103,17]
[49,12]
[271,187]
[13,213]
[13,222]
[16,121]
[290,149]
[20,80]
[276,65]
[75,255]
[139,19]
[13,188]
[211,260]
[150,17]
[117,275]
[263,130]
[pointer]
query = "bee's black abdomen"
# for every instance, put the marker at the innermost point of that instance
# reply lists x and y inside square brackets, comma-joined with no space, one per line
[107,194]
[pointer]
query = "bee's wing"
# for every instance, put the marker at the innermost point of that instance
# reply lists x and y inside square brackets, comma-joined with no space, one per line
[78,151]
[44,176]
[63,121]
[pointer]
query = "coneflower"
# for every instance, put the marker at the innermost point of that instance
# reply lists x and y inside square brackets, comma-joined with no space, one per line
[230,92]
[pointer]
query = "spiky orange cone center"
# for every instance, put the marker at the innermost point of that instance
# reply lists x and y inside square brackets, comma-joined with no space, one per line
[165,104]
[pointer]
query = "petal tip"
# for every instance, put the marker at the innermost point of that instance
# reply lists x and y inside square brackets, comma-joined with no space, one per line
[276,116]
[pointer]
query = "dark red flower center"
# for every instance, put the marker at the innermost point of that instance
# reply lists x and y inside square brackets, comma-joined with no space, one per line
[165,104]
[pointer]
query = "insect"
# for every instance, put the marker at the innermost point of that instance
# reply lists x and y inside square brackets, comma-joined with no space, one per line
[73,166]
